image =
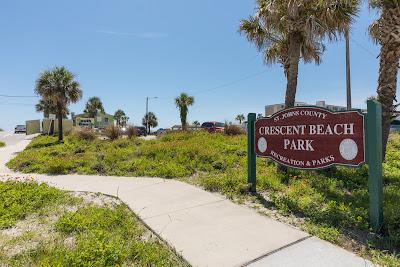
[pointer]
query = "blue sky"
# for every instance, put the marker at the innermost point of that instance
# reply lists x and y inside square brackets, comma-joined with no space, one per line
[125,50]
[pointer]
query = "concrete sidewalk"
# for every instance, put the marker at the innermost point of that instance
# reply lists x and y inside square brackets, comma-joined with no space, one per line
[206,228]
[15,143]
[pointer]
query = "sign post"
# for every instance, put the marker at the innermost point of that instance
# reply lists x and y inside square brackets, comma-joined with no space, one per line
[251,154]
[312,138]
[374,159]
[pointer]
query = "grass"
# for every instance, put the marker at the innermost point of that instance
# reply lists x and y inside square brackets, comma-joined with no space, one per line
[2,144]
[77,233]
[17,200]
[173,156]
[332,204]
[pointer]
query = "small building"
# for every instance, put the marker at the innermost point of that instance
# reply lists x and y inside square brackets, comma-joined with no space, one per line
[51,126]
[102,120]
[272,109]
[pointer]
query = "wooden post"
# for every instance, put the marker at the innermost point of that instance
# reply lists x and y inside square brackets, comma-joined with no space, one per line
[251,154]
[374,160]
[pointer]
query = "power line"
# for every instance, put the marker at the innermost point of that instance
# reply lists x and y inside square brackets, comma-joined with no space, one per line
[230,83]
[21,96]
[222,85]
[363,47]
[21,104]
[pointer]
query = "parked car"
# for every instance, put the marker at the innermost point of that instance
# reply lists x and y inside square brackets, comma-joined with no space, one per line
[20,129]
[395,126]
[213,127]
[141,130]
[123,130]
[160,131]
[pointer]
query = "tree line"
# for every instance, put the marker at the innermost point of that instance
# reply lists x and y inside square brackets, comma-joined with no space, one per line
[58,88]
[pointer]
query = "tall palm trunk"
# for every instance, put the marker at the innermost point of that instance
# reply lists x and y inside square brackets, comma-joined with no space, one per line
[184,118]
[293,69]
[389,26]
[60,124]
[292,72]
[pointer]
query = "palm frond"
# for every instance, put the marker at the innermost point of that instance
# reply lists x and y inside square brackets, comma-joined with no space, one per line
[384,3]
[373,30]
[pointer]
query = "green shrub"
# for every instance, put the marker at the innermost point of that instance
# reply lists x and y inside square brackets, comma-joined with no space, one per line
[219,165]
[110,237]
[59,166]
[98,167]
[2,144]
[18,199]
[92,218]
[112,132]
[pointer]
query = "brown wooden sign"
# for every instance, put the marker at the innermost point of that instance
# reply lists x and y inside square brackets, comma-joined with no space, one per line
[311,138]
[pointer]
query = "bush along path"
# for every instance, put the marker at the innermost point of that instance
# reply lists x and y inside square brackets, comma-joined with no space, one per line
[331,205]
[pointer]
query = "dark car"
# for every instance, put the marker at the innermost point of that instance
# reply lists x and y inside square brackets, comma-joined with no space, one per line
[395,126]
[20,129]
[161,131]
[213,127]
[141,130]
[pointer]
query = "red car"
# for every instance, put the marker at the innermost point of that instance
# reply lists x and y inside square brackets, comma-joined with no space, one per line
[213,127]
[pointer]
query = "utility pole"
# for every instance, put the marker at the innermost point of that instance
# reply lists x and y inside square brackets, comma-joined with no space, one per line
[348,78]
[147,112]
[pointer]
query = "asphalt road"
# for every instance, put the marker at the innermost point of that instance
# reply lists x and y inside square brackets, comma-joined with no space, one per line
[11,138]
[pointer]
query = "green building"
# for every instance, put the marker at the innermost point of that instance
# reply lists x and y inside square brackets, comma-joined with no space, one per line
[102,120]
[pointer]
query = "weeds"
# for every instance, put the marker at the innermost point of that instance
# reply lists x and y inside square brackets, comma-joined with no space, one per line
[131,132]
[112,132]
[2,144]
[233,129]
[84,133]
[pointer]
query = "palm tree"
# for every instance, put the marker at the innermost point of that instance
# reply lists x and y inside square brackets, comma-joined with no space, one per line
[287,31]
[58,87]
[150,121]
[183,102]
[46,107]
[124,121]
[94,106]
[386,32]
[118,116]
[240,118]
[196,123]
